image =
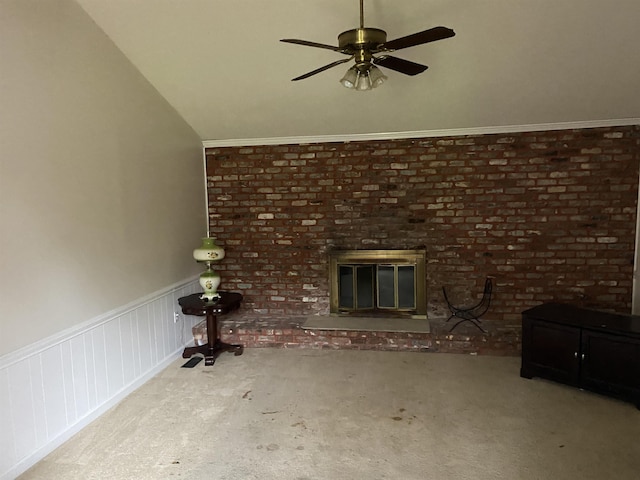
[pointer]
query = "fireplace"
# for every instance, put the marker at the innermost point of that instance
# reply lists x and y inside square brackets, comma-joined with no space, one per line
[378,282]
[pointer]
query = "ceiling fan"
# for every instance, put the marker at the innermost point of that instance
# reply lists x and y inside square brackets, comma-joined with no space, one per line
[363,43]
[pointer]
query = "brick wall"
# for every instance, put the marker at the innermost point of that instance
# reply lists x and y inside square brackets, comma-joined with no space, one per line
[551,215]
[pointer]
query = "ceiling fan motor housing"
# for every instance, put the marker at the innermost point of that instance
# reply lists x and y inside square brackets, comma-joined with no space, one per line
[358,38]
[362,42]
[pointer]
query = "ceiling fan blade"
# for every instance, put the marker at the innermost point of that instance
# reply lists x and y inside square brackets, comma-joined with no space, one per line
[426,36]
[311,44]
[400,65]
[321,69]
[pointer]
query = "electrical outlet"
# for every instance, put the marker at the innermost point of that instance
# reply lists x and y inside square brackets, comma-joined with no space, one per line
[176,317]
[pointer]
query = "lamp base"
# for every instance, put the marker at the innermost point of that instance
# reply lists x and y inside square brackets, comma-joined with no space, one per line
[210,297]
[209,281]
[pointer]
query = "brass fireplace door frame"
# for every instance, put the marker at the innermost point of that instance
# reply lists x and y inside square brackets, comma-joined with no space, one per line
[416,258]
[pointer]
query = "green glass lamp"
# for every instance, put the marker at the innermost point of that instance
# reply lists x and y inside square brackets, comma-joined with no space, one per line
[208,253]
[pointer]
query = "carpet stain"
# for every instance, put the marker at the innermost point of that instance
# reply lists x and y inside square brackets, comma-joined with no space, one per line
[272,447]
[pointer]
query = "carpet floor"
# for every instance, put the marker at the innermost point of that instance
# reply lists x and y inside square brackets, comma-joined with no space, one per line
[338,414]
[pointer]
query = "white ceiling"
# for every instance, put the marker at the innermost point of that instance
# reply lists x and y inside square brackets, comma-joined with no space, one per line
[511,63]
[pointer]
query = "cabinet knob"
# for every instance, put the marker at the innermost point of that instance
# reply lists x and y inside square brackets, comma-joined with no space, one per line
[582,357]
[575,354]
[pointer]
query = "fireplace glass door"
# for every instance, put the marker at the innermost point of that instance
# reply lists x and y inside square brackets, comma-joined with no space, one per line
[380,282]
[377,287]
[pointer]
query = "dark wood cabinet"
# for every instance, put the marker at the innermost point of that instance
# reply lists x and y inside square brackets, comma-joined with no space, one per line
[594,350]
[550,351]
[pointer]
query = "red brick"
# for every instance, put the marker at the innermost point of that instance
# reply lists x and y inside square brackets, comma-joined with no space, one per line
[529,208]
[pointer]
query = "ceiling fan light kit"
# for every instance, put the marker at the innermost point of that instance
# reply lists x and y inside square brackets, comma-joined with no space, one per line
[363,79]
[360,44]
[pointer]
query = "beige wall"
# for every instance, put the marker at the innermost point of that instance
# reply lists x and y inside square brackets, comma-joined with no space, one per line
[101,184]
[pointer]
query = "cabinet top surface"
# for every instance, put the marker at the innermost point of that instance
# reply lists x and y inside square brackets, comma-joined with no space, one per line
[585,318]
[193,305]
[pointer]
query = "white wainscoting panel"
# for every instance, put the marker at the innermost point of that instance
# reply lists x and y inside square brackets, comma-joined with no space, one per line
[52,389]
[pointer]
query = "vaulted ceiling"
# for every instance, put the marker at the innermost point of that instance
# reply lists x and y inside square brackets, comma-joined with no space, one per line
[512,63]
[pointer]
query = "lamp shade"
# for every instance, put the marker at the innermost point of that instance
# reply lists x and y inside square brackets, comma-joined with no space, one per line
[364,82]
[376,76]
[363,77]
[208,251]
[350,78]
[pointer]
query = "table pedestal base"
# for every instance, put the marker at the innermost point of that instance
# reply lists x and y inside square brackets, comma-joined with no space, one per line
[194,305]
[211,353]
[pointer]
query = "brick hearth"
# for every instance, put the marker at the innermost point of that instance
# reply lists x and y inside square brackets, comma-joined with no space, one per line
[277,332]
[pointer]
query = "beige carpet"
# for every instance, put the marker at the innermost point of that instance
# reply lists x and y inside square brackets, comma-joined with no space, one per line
[316,414]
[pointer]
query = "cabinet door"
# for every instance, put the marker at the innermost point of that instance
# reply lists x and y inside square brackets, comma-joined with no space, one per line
[610,363]
[550,350]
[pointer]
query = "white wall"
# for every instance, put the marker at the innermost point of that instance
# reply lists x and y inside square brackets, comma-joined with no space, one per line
[101,183]
[101,204]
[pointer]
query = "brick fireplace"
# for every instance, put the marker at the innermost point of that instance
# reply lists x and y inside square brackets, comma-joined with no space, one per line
[550,215]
